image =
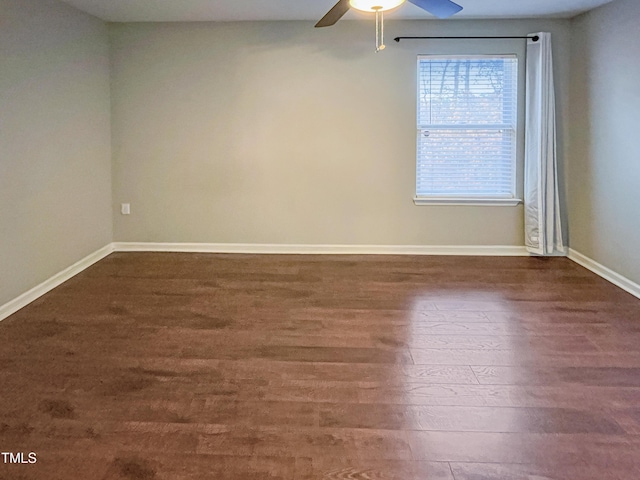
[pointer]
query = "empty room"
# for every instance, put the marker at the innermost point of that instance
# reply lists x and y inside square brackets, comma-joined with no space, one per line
[301,239]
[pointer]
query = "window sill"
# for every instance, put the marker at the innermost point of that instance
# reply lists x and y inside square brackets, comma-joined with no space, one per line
[469,201]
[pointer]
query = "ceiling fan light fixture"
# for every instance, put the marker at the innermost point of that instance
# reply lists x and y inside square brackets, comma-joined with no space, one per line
[375,5]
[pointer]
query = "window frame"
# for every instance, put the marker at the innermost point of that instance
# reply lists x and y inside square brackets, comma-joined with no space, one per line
[474,199]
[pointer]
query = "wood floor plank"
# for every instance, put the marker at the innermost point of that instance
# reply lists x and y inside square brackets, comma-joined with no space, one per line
[338,468]
[525,448]
[309,443]
[526,358]
[522,328]
[536,344]
[265,369]
[560,376]
[627,417]
[593,398]
[502,471]
[467,419]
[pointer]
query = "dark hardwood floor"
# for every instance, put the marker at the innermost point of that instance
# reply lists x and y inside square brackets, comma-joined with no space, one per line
[193,366]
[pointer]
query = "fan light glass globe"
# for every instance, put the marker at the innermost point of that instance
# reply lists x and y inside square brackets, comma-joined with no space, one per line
[373,5]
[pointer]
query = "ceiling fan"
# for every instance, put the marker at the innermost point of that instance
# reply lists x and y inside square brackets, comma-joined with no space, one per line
[438,8]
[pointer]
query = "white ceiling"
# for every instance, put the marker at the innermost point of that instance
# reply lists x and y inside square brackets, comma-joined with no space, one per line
[233,10]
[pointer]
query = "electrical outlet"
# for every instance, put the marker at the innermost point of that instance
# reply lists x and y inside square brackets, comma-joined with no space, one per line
[125,208]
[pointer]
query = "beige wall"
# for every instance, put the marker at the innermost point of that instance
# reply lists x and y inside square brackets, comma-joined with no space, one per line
[277,132]
[282,133]
[55,186]
[604,166]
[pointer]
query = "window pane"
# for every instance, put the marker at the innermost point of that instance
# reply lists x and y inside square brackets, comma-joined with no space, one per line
[465,162]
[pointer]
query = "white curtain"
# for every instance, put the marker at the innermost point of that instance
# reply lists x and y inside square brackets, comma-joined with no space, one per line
[543,228]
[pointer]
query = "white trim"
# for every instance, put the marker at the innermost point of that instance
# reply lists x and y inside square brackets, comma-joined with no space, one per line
[462,250]
[468,201]
[618,280]
[23,300]
[36,292]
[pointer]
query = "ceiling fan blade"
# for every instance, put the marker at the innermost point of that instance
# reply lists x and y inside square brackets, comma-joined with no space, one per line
[439,8]
[335,14]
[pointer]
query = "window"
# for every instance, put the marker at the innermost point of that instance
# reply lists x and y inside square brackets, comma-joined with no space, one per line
[467,116]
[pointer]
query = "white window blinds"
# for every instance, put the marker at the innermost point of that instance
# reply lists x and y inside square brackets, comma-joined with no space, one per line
[467,115]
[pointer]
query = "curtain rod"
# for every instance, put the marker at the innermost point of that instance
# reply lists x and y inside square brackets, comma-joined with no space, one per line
[535,38]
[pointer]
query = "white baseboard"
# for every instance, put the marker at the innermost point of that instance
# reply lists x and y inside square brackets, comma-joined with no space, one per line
[36,292]
[466,250]
[23,300]
[605,272]
[26,298]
